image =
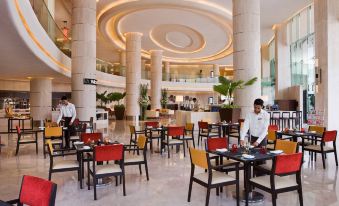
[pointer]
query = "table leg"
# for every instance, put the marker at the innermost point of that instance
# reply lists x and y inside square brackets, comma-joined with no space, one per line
[81,168]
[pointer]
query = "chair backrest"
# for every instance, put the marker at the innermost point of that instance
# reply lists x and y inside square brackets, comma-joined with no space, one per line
[203,125]
[132,129]
[318,129]
[271,133]
[330,136]
[216,143]
[89,137]
[108,152]
[141,141]
[51,124]
[288,147]
[175,131]
[287,163]
[18,129]
[199,158]
[276,115]
[53,131]
[37,192]
[76,122]
[152,124]
[189,126]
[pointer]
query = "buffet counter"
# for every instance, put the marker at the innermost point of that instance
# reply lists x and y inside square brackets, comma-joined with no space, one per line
[183,117]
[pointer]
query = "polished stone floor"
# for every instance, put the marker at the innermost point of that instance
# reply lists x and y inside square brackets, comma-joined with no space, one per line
[168,184]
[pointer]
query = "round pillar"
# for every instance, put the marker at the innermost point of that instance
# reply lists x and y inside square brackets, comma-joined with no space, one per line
[133,74]
[216,70]
[84,57]
[167,71]
[156,78]
[40,98]
[246,55]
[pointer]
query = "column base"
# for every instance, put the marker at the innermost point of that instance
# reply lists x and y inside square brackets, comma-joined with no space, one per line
[132,118]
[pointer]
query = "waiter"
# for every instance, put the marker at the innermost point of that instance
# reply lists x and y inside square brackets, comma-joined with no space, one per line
[68,113]
[256,122]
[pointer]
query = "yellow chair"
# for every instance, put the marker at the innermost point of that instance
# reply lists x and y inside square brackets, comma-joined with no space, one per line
[55,135]
[138,159]
[189,133]
[318,129]
[212,179]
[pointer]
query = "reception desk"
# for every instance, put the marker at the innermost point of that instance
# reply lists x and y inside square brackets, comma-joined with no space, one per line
[183,117]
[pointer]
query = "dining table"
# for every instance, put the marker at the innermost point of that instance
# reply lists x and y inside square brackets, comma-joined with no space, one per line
[295,134]
[258,156]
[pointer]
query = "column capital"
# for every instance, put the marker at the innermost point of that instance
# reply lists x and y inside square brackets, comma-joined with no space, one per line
[133,35]
[156,52]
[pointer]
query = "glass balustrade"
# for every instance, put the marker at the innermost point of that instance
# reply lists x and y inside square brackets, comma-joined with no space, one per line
[60,36]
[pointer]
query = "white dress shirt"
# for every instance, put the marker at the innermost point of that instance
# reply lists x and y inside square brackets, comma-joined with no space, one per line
[67,111]
[257,124]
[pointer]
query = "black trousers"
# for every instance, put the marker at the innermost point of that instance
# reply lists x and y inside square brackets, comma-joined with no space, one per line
[69,130]
[263,143]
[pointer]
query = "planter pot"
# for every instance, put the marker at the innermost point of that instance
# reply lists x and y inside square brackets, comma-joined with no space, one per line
[143,112]
[229,114]
[119,113]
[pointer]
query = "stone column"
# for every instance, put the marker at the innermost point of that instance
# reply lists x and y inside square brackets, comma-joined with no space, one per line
[123,63]
[326,19]
[156,78]
[133,74]
[84,57]
[167,71]
[216,70]
[40,98]
[282,62]
[246,56]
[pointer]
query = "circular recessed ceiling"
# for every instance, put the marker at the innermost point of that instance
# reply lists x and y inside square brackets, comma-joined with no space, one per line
[187,31]
[178,39]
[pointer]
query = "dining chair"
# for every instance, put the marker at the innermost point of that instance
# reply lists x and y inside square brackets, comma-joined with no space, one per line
[138,159]
[235,130]
[327,137]
[151,135]
[79,129]
[296,119]
[98,170]
[36,191]
[287,147]
[285,176]
[134,134]
[174,136]
[208,131]
[189,134]
[276,119]
[26,137]
[212,178]
[61,165]
[88,138]
[271,136]
[285,119]
[55,135]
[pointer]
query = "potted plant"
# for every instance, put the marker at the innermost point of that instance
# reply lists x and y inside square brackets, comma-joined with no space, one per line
[143,100]
[103,99]
[119,109]
[164,98]
[228,111]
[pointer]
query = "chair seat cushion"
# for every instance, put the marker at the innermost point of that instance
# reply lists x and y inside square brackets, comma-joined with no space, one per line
[186,138]
[270,147]
[65,164]
[74,138]
[225,162]
[217,177]
[26,140]
[317,148]
[136,158]
[174,141]
[108,168]
[56,141]
[270,141]
[280,182]
[209,134]
[266,166]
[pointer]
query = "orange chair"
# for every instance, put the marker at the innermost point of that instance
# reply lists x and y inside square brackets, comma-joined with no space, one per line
[55,135]
[106,153]
[174,137]
[271,136]
[327,137]
[278,181]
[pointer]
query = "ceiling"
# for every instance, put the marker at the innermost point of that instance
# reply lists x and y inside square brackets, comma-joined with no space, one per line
[188,31]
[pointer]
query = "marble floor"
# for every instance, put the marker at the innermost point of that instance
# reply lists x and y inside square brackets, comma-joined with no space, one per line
[168,184]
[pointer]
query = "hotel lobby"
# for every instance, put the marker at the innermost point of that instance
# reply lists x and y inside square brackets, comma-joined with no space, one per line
[171,102]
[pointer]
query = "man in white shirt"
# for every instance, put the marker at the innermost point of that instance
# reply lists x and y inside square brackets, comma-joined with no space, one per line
[68,113]
[256,122]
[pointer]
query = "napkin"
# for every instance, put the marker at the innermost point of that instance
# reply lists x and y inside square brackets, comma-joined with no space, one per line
[247,156]
[221,150]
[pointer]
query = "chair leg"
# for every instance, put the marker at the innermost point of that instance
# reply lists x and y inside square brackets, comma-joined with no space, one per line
[146,169]
[208,196]
[274,199]
[123,185]
[116,181]
[17,148]
[190,190]
[168,151]
[140,169]
[95,187]
[49,175]
[193,141]
[217,191]
[198,140]
[323,158]
[300,196]
[88,177]
[237,193]
[336,158]
[184,148]
[80,177]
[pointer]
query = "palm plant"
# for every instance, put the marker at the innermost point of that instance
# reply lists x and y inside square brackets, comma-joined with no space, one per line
[116,97]
[102,97]
[143,97]
[164,98]
[228,87]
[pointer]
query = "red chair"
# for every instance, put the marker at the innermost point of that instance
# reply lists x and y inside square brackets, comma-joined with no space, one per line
[206,130]
[279,181]
[107,153]
[36,192]
[176,134]
[87,138]
[328,136]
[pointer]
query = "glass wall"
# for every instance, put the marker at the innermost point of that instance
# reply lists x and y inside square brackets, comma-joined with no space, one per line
[268,77]
[302,53]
